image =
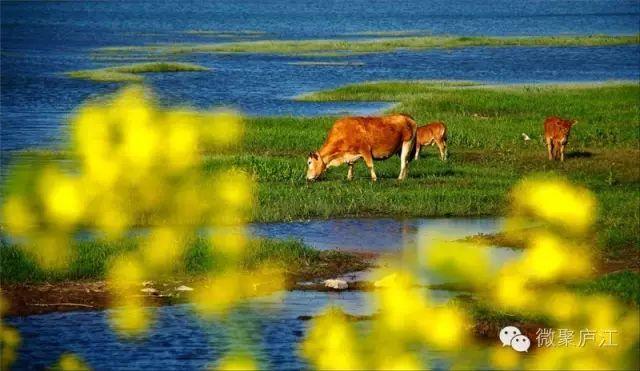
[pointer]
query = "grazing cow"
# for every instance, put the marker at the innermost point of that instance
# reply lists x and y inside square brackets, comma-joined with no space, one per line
[556,134]
[369,138]
[430,134]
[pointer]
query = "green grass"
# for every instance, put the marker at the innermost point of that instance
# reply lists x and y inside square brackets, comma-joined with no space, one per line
[390,33]
[92,259]
[375,45]
[623,285]
[131,72]
[221,33]
[329,64]
[487,155]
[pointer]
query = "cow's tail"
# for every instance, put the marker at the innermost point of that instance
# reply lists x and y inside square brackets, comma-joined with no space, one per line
[414,135]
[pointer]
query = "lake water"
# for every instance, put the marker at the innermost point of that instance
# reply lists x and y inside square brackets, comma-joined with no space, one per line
[181,340]
[42,39]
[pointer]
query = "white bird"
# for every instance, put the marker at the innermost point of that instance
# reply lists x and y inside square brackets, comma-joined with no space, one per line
[525,137]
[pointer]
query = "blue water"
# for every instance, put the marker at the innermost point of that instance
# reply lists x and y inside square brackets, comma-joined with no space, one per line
[180,340]
[375,234]
[41,40]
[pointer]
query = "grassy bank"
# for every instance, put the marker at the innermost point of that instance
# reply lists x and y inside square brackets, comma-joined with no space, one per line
[374,45]
[131,72]
[92,258]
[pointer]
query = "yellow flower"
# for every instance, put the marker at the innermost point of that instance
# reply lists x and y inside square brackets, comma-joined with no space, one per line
[63,198]
[237,362]
[459,262]
[71,362]
[130,318]
[556,201]
[331,343]
[17,216]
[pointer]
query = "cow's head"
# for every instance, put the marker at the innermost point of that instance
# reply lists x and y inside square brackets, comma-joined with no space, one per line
[566,126]
[315,166]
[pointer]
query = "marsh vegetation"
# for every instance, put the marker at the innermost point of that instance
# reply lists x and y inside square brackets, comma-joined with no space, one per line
[374,45]
[133,72]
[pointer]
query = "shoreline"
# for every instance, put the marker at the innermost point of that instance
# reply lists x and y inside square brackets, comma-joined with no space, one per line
[32,298]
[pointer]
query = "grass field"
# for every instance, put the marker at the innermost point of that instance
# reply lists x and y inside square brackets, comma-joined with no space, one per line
[131,72]
[373,45]
[487,158]
[487,155]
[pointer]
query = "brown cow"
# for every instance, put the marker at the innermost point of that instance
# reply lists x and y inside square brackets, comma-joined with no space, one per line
[369,138]
[556,134]
[430,134]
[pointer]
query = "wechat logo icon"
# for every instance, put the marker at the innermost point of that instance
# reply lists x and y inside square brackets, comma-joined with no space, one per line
[512,336]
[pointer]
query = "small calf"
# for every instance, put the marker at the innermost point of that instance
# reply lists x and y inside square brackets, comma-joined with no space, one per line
[556,135]
[430,134]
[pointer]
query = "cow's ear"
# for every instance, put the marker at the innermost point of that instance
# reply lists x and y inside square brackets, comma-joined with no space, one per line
[313,155]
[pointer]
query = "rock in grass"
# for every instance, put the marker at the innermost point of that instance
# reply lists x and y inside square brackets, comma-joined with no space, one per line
[336,284]
[183,288]
[149,290]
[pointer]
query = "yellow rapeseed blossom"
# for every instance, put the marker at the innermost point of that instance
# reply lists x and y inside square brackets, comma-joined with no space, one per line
[331,343]
[162,249]
[444,327]
[63,198]
[130,317]
[216,296]
[459,262]
[51,251]
[71,362]
[240,362]
[555,201]
[504,358]
[9,342]
[222,128]
[17,216]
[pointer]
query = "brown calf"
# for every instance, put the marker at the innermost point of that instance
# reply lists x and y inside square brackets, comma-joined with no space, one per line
[430,134]
[556,135]
[369,138]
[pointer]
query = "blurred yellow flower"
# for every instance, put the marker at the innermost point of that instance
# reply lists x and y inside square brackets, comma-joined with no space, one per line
[17,216]
[237,362]
[459,262]
[71,362]
[331,343]
[555,201]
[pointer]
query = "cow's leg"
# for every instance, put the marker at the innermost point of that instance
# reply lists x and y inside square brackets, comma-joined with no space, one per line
[350,171]
[562,152]
[446,149]
[418,147]
[550,148]
[368,160]
[442,146]
[404,157]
